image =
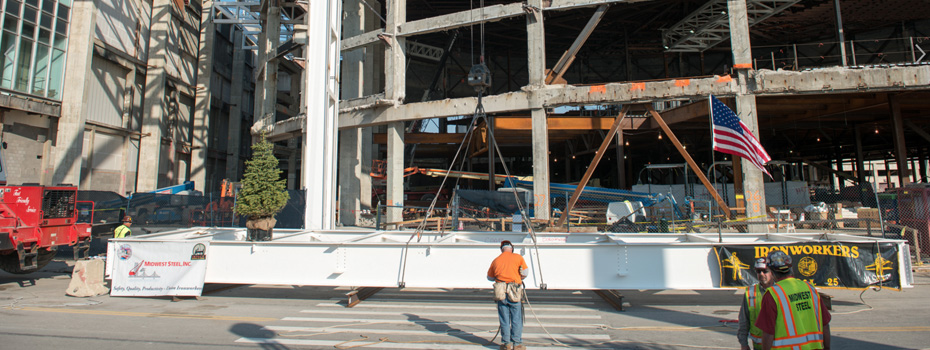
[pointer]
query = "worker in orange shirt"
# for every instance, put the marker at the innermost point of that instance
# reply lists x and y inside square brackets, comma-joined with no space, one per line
[508,271]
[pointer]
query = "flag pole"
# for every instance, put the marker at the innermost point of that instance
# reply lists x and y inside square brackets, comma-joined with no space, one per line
[687,157]
[713,144]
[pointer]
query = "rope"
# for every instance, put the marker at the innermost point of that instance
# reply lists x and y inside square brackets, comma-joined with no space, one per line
[525,297]
[466,142]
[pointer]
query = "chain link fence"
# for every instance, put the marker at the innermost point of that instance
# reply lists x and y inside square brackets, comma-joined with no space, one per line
[153,212]
[897,213]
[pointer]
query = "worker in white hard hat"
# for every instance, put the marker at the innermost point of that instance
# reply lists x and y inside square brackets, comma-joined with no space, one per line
[792,315]
[752,303]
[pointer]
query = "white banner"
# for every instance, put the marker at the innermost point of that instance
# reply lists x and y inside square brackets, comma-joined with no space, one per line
[158,268]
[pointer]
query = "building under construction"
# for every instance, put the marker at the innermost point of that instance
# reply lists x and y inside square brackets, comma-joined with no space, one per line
[136,95]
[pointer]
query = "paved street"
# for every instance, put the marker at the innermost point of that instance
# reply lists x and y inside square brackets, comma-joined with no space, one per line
[36,313]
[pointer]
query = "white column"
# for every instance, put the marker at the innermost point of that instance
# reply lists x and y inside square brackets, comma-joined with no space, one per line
[322,97]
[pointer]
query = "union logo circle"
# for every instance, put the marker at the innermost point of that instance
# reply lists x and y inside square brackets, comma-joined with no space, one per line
[807,266]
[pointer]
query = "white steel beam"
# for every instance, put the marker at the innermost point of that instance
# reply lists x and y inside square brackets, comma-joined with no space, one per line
[460,259]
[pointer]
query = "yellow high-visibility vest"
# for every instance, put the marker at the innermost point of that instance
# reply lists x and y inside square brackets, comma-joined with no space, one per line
[754,303]
[122,231]
[799,324]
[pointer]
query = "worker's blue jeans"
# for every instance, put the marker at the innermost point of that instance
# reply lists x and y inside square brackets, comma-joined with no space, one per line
[511,318]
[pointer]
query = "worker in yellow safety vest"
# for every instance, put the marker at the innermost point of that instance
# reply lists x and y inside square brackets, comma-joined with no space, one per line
[123,230]
[752,303]
[792,315]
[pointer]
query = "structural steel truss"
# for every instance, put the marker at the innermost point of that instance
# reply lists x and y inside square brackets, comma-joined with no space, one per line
[709,25]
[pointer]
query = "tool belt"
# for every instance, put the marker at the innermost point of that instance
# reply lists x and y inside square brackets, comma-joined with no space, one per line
[512,291]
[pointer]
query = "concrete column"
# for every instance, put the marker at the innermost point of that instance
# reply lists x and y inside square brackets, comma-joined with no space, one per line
[155,108]
[127,123]
[394,89]
[202,98]
[78,75]
[395,171]
[900,148]
[87,180]
[271,26]
[536,65]
[349,147]
[237,91]
[293,109]
[753,186]
[540,136]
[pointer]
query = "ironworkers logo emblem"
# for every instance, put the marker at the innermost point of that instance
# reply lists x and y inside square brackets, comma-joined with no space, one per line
[124,252]
[200,252]
[807,266]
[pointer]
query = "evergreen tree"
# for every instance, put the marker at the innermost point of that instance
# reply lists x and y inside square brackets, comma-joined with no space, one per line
[263,191]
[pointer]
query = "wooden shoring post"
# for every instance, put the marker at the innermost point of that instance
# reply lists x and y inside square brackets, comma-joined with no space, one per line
[697,171]
[569,56]
[356,296]
[597,158]
[612,297]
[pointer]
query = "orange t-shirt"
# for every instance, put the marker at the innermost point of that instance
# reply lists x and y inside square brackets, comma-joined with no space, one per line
[506,267]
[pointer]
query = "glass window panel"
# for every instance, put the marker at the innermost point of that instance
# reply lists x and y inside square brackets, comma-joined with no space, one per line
[34,3]
[11,23]
[7,58]
[63,12]
[61,42]
[61,27]
[46,20]
[65,2]
[45,36]
[12,7]
[55,72]
[29,30]
[22,66]
[41,70]
[29,14]
[48,6]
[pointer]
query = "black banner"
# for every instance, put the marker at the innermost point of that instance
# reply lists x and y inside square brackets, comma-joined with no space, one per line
[825,264]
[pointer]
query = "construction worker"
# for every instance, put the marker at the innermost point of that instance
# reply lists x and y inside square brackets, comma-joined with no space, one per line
[123,230]
[508,271]
[792,315]
[749,309]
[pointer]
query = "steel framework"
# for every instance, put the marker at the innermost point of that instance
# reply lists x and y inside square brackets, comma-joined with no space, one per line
[709,25]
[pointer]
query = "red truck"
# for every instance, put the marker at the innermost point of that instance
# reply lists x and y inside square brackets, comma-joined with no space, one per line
[35,220]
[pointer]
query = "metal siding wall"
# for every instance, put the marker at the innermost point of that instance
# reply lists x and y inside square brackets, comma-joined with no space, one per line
[105,98]
[117,21]
[186,117]
[172,60]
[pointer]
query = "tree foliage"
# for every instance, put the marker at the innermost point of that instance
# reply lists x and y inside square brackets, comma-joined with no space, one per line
[263,192]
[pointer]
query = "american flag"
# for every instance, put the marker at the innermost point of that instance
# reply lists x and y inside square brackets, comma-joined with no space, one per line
[731,136]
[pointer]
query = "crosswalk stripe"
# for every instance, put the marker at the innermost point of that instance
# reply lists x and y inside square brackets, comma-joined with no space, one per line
[488,334]
[462,301]
[373,344]
[474,295]
[528,324]
[432,314]
[490,307]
